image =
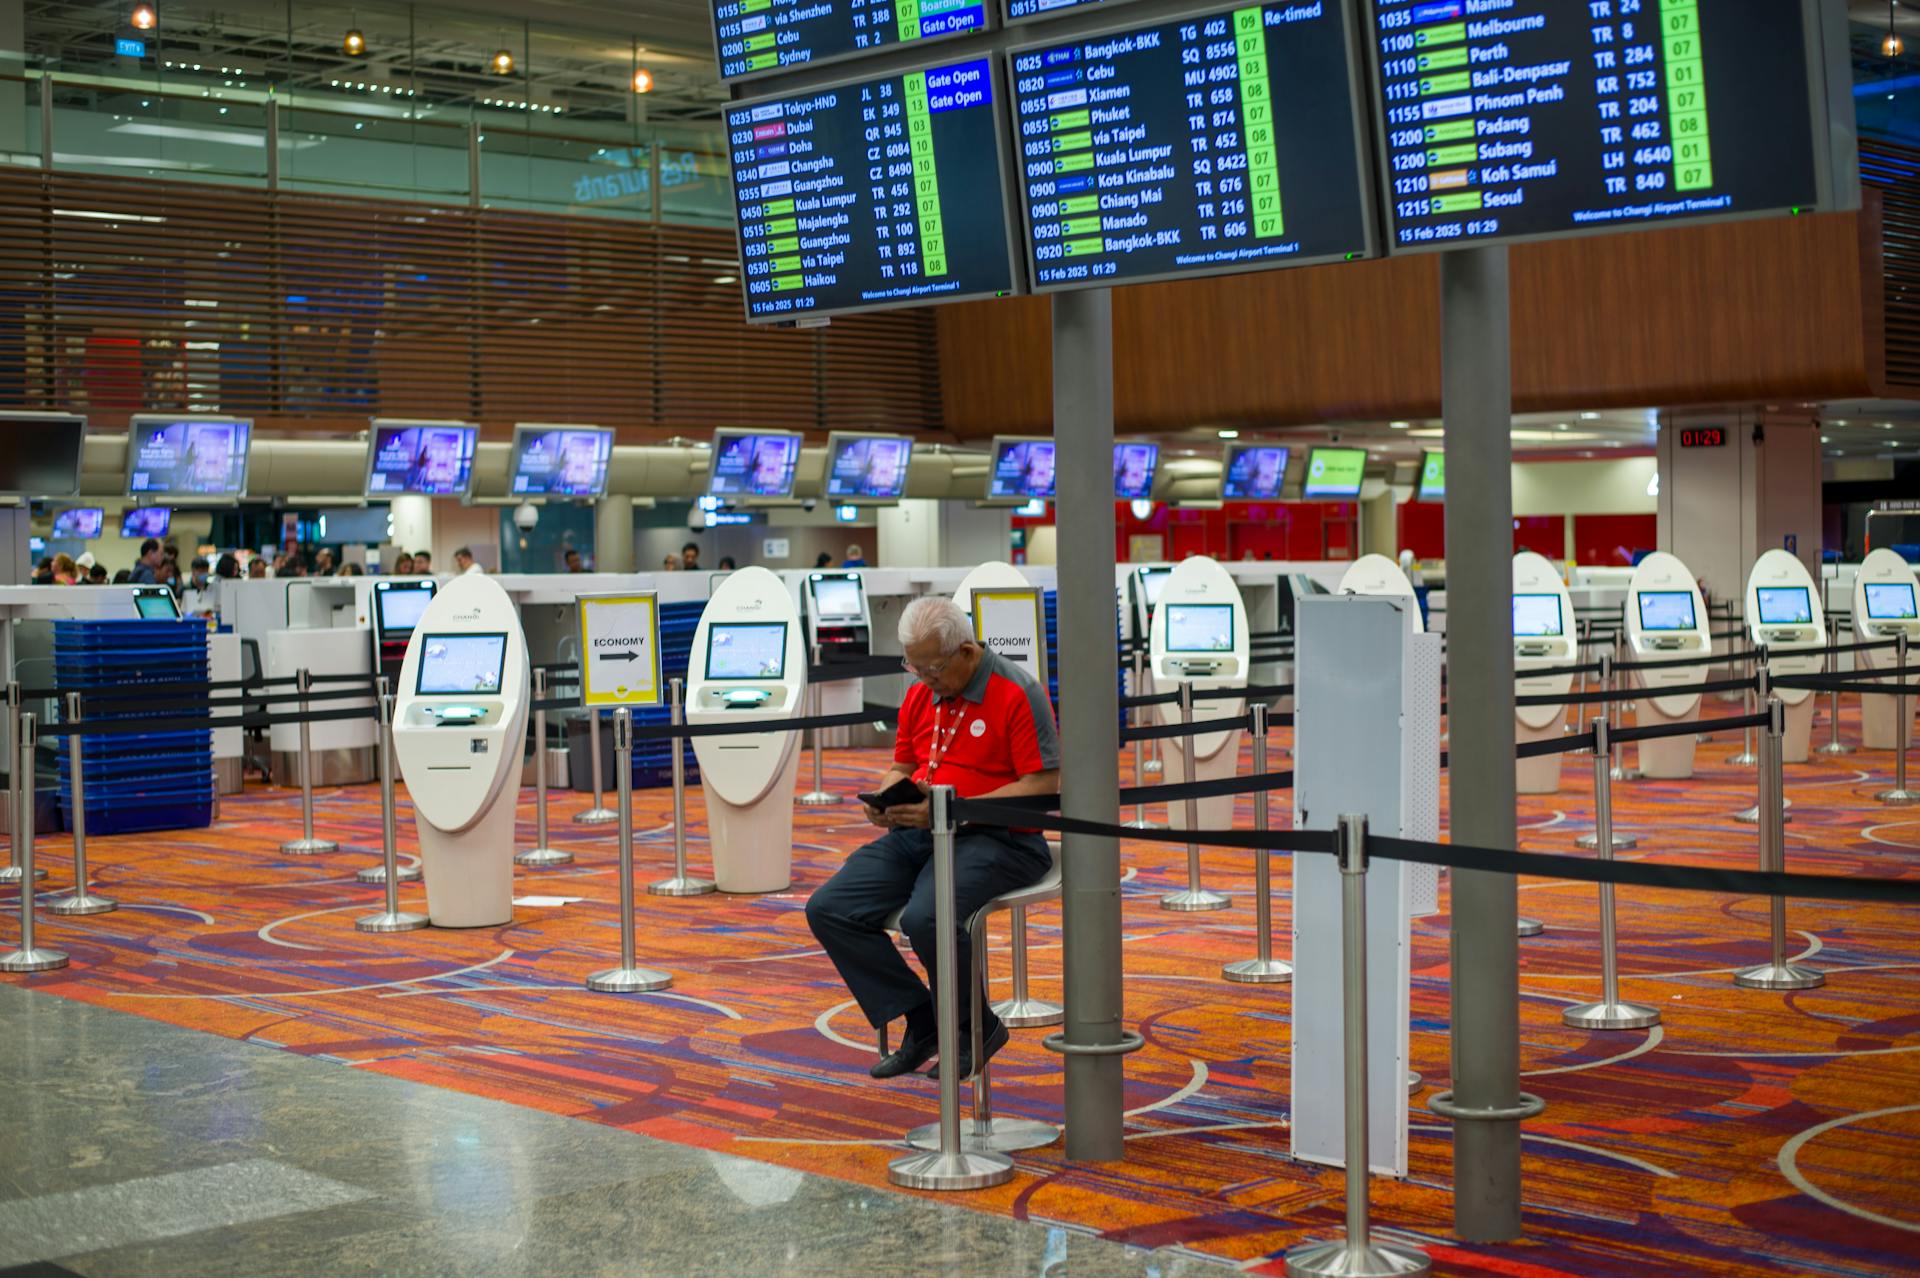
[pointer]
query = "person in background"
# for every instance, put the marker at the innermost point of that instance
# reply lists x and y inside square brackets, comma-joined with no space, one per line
[351,569]
[43,572]
[227,567]
[464,562]
[97,575]
[403,566]
[65,572]
[670,564]
[256,569]
[423,563]
[727,564]
[690,557]
[84,564]
[146,569]
[323,563]
[572,561]
[124,577]
[292,565]
[823,560]
[168,575]
[200,571]
[856,557]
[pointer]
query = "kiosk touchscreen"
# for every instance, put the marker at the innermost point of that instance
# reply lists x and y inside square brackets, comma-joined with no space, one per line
[748,663]
[1666,619]
[459,722]
[397,608]
[155,603]
[1199,637]
[1884,605]
[1543,640]
[1785,617]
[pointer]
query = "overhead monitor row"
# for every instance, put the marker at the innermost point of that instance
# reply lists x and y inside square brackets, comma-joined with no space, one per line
[84,523]
[1236,139]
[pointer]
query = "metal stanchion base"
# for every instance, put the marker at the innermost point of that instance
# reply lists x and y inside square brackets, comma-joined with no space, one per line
[1898,798]
[818,799]
[1356,1260]
[1610,1016]
[1414,1082]
[1258,971]
[33,960]
[1591,840]
[1195,899]
[11,874]
[82,903]
[628,980]
[1752,816]
[1524,926]
[1144,824]
[1779,976]
[1002,1135]
[309,847]
[1624,774]
[1745,759]
[1835,747]
[680,887]
[1028,1012]
[398,921]
[963,1170]
[378,874]
[596,816]
[538,858]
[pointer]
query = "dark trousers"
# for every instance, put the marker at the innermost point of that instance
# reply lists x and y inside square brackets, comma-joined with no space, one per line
[896,870]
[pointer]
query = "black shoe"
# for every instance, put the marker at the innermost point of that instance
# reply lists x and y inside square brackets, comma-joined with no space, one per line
[996,1039]
[908,1057]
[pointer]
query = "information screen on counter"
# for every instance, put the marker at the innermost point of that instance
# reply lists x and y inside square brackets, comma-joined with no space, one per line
[867,467]
[434,459]
[1433,477]
[1890,602]
[1021,468]
[837,597]
[399,605]
[1253,472]
[559,461]
[1335,472]
[1133,468]
[1151,580]
[1537,617]
[81,522]
[155,603]
[873,193]
[1553,117]
[756,37]
[461,664]
[185,457]
[1667,610]
[1224,141]
[747,650]
[40,453]
[1784,605]
[1199,627]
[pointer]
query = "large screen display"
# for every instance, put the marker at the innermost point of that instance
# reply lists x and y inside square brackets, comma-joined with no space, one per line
[752,464]
[1548,117]
[1021,468]
[1890,601]
[401,605]
[1223,141]
[747,650]
[1335,472]
[867,467]
[755,37]
[1537,617]
[431,458]
[145,521]
[1667,610]
[461,664]
[559,461]
[1784,605]
[837,598]
[1253,472]
[1433,477]
[874,193]
[1133,468]
[1199,627]
[187,457]
[40,454]
[82,522]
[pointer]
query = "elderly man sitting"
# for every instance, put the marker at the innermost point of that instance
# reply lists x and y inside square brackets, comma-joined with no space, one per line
[982,725]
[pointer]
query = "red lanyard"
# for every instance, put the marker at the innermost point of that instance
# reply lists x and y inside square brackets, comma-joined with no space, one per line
[942,741]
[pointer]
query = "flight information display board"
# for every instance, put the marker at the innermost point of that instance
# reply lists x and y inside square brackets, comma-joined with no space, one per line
[1519,118]
[1228,140]
[873,193]
[758,37]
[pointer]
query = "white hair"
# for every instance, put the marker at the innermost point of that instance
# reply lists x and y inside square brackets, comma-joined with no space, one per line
[932,617]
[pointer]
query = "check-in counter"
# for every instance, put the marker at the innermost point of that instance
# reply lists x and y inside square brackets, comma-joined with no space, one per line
[1199,638]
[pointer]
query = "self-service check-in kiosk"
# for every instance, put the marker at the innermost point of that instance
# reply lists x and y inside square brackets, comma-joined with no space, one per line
[1785,616]
[1199,637]
[458,726]
[1543,638]
[838,625]
[1379,576]
[1667,620]
[397,605]
[1883,607]
[748,663]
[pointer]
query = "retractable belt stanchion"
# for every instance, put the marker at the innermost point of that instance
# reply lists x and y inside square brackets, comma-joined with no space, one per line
[11,872]
[1756,670]
[1357,1255]
[1590,840]
[1762,692]
[1618,684]
[81,900]
[627,978]
[1900,796]
[599,813]
[1777,973]
[29,957]
[542,853]
[389,865]
[391,919]
[1834,745]
[1609,1013]
[818,797]
[306,844]
[950,1166]
[1194,897]
[681,884]
[1137,717]
[1263,969]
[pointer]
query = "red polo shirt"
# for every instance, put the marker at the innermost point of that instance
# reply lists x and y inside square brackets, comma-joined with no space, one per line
[996,730]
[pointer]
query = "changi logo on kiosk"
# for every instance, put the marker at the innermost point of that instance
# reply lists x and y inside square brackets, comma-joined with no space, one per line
[620,650]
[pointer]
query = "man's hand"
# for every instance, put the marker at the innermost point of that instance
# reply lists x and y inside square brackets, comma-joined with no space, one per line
[876,817]
[910,816]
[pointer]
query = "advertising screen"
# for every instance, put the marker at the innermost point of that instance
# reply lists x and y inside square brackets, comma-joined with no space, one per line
[401,605]
[1021,468]
[187,457]
[756,37]
[1133,468]
[146,521]
[1335,472]
[1433,477]
[869,467]
[1784,605]
[747,650]
[1223,140]
[837,598]
[1892,601]
[430,458]
[1253,472]
[1537,617]
[461,664]
[1667,610]
[559,461]
[748,464]
[82,522]
[40,454]
[1199,627]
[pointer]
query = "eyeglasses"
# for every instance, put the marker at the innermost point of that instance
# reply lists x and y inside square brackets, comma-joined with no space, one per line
[928,672]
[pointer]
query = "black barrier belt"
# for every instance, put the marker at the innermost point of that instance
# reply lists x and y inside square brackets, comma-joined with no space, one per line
[1163,731]
[203,723]
[1555,672]
[145,689]
[1875,645]
[555,703]
[1849,686]
[995,812]
[1654,732]
[1133,796]
[1261,691]
[841,671]
[1674,663]
[341,678]
[1579,741]
[137,704]
[1821,679]
[669,731]
[555,665]
[1150,699]
[1631,694]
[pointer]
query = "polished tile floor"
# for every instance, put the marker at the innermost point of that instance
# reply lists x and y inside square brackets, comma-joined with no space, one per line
[137,1148]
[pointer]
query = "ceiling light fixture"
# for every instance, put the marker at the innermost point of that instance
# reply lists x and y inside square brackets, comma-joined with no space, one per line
[1228,434]
[143,17]
[354,43]
[501,62]
[642,80]
[1892,45]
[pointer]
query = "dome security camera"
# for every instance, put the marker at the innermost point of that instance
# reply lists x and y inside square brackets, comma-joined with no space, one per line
[526,515]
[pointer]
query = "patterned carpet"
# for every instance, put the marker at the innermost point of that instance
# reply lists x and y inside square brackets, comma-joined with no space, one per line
[1751,1133]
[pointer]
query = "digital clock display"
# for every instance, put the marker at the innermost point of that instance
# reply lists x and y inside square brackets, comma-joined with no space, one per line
[1703,437]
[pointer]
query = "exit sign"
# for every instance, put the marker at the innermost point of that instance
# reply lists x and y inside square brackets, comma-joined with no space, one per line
[1703,437]
[128,47]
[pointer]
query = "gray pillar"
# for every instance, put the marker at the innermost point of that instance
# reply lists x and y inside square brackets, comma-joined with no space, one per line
[1090,716]
[613,535]
[1477,405]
